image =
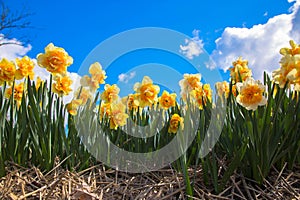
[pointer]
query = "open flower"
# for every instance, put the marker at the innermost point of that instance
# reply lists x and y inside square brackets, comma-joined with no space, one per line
[175,122]
[189,83]
[62,85]
[167,100]
[118,117]
[110,93]
[251,94]
[147,92]
[7,71]
[97,73]
[239,72]
[18,93]
[26,66]
[55,59]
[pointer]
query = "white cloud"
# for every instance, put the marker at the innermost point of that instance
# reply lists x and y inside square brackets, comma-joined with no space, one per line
[12,51]
[193,46]
[124,78]
[259,44]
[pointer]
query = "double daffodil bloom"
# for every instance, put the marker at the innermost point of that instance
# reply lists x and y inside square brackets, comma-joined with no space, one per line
[25,68]
[167,100]
[55,59]
[7,71]
[251,94]
[239,72]
[175,122]
[147,92]
[62,85]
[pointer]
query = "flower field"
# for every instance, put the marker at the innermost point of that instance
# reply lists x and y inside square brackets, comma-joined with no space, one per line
[259,136]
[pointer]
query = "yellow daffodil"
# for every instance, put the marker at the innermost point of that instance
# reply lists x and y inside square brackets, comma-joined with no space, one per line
[25,68]
[62,85]
[118,116]
[147,92]
[18,93]
[239,72]
[98,76]
[55,59]
[167,100]
[189,83]
[7,71]
[73,106]
[97,73]
[251,94]
[110,93]
[175,122]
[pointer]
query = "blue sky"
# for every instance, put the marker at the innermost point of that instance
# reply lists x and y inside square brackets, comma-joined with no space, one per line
[227,29]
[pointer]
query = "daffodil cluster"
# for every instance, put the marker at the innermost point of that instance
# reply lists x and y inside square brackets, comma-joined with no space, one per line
[289,71]
[10,71]
[192,88]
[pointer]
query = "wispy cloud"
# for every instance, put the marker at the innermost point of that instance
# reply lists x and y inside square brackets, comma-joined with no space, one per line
[259,44]
[193,47]
[124,78]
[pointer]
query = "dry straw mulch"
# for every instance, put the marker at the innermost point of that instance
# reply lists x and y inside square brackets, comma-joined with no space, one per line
[100,183]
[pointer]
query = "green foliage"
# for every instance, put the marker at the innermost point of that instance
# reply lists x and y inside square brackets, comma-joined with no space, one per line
[40,130]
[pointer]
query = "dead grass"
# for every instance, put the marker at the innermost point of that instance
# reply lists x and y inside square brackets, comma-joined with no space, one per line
[100,183]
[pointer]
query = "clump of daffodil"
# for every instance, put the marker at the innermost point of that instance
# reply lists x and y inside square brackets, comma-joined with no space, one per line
[201,95]
[18,93]
[251,94]
[175,122]
[239,71]
[98,76]
[25,68]
[7,71]
[62,85]
[290,67]
[110,93]
[189,83]
[167,100]
[147,92]
[55,59]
